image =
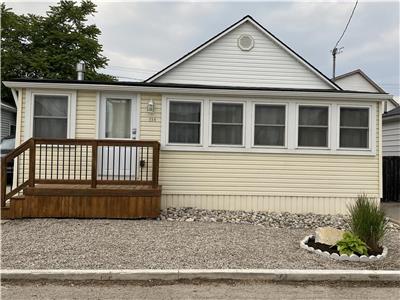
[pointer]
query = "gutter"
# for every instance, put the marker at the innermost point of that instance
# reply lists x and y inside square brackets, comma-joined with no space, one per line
[201,90]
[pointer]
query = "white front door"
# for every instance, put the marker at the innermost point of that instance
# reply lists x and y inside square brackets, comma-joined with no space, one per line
[118,121]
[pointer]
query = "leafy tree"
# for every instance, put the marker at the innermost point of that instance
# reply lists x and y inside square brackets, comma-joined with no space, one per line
[49,46]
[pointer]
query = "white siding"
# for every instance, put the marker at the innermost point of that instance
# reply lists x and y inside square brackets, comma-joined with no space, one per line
[223,63]
[8,118]
[356,82]
[391,138]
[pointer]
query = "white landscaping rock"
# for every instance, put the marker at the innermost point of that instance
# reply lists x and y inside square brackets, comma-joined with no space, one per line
[328,235]
[343,257]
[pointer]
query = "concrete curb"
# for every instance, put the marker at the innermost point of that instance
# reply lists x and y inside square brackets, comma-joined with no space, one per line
[206,274]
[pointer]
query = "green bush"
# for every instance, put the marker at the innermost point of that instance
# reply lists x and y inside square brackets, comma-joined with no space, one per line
[350,244]
[368,222]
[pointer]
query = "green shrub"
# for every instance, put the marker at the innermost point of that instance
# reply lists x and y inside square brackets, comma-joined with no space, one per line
[368,222]
[350,244]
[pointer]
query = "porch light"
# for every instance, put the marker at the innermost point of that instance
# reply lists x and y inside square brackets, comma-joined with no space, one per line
[150,106]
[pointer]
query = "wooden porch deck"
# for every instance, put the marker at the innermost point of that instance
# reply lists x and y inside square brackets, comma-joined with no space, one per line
[84,196]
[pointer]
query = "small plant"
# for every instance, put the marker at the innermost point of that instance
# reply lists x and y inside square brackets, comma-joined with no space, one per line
[368,222]
[351,244]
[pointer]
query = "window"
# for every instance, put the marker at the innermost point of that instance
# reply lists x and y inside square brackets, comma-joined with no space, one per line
[118,118]
[12,130]
[269,125]
[50,118]
[227,124]
[313,126]
[184,122]
[354,127]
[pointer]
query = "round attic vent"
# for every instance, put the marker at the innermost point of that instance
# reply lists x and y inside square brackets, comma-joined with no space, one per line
[245,42]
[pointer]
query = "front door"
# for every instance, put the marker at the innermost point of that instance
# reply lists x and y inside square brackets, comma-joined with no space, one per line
[118,120]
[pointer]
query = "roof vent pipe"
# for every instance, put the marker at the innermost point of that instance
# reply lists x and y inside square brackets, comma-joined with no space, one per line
[80,69]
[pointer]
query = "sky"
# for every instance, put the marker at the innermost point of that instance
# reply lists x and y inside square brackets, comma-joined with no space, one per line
[140,38]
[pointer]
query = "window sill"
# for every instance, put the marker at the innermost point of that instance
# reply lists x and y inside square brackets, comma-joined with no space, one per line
[265,150]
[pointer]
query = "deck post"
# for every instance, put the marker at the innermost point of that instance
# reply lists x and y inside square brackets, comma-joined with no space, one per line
[94,164]
[32,162]
[156,161]
[3,181]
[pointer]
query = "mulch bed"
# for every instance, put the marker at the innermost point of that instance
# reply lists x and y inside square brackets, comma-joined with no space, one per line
[333,249]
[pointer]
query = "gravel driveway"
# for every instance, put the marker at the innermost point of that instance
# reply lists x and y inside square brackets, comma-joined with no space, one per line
[130,244]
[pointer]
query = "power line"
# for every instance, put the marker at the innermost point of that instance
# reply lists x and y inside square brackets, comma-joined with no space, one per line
[347,25]
[335,50]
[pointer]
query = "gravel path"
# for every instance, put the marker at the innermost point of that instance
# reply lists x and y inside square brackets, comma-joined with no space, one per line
[129,244]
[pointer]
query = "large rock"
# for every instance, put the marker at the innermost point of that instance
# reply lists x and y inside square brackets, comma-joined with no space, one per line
[328,235]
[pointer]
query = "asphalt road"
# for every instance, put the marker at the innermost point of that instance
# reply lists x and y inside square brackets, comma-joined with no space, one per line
[198,290]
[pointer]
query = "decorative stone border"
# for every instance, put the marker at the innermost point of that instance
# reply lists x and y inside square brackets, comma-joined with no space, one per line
[343,257]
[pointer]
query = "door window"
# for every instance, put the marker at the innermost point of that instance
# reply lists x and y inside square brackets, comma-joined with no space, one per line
[118,118]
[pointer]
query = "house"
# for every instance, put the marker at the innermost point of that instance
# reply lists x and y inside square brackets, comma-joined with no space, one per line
[8,119]
[357,80]
[243,121]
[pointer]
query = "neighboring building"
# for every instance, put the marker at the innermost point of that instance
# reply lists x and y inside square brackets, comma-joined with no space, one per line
[391,132]
[357,80]
[8,120]
[244,122]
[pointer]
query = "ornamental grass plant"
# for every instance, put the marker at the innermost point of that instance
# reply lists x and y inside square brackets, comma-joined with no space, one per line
[368,222]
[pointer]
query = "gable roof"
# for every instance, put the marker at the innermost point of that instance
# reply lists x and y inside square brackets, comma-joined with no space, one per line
[249,19]
[360,72]
[367,79]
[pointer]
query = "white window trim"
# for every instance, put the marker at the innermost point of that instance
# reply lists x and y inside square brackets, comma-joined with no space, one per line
[248,125]
[168,100]
[371,129]
[253,124]
[29,113]
[244,120]
[328,147]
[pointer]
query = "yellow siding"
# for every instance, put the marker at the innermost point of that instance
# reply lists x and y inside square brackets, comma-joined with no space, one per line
[247,181]
[86,114]
[150,123]
[259,181]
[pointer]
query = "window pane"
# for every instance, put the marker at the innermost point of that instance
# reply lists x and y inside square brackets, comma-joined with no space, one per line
[184,133]
[184,111]
[226,134]
[51,105]
[269,114]
[227,113]
[354,117]
[269,135]
[309,115]
[353,138]
[118,118]
[49,128]
[310,137]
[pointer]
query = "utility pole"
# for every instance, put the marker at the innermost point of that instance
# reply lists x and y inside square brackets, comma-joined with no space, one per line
[335,51]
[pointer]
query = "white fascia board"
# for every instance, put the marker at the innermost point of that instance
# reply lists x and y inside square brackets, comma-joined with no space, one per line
[201,91]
